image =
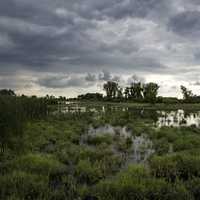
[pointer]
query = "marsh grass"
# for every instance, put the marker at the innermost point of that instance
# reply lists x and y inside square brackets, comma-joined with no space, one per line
[53,162]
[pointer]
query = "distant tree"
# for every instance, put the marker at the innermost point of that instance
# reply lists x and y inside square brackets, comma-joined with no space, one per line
[6,92]
[61,98]
[136,90]
[51,100]
[127,92]
[91,96]
[111,89]
[120,93]
[150,92]
[167,100]
[132,91]
[187,94]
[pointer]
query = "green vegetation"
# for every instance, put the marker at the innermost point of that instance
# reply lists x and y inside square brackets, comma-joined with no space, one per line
[50,154]
[14,112]
[136,182]
[137,92]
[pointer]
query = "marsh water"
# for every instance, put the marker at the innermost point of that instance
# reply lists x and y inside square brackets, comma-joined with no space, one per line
[178,118]
[141,147]
[161,118]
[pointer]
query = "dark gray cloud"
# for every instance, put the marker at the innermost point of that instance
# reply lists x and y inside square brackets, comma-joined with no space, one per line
[116,79]
[63,81]
[118,9]
[54,81]
[90,77]
[14,82]
[105,76]
[74,80]
[55,33]
[186,24]
[38,46]
[135,78]
[94,41]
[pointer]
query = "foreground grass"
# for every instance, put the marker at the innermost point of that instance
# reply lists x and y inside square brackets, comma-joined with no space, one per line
[54,162]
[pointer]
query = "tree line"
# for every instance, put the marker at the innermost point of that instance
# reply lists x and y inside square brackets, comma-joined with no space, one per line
[138,92]
[188,95]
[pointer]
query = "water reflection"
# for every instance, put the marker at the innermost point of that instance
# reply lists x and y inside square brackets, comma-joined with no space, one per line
[175,118]
[141,146]
[72,109]
[112,130]
[103,109]
[178,118]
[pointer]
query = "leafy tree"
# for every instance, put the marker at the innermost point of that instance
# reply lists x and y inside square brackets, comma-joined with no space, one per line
[150,92]
[91,96]
[6,92]
[111,89]
[62,98]
[136,90]
[120,93]
[51,100]
[187,94]
[127,92]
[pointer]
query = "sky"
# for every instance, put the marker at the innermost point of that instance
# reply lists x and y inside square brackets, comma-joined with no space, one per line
[70,47]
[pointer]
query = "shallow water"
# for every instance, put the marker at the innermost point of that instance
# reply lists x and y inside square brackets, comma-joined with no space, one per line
[74,107]
[141,148]
[178,118]
[112,130]
[174,118]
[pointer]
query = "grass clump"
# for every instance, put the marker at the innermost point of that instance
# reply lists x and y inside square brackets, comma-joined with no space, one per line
[136,183]
[37,164]
[99,139]
[178,166]
[22,185]
[88,173]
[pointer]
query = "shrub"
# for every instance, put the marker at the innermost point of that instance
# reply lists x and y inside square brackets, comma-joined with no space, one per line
[38,164]
[187,142]
[188,166]
[127,185]
[99,139]
[193,185]
[159,189]
[136,183]
[169,134]
[161,146]
[88,173]
[164,167]
[21,185]
[182,166]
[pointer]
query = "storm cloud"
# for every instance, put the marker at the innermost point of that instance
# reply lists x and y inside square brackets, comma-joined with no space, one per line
[186,24]
[80,44]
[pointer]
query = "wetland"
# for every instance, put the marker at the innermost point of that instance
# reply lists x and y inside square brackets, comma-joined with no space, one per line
[103,152]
